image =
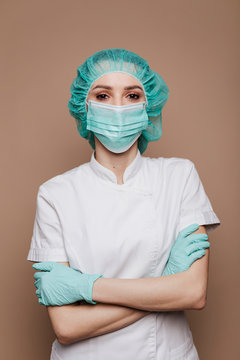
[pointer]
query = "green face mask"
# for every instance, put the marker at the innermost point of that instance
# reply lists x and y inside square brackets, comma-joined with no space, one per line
[117,127]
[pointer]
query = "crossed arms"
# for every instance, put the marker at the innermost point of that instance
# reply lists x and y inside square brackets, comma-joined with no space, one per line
[124,301]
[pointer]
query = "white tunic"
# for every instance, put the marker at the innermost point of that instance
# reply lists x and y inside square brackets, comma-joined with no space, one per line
[122,231]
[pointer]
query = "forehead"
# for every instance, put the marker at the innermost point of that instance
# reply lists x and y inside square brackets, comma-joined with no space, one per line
[116,80]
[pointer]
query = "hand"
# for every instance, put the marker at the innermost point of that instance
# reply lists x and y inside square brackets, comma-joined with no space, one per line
[58,284]
[186,250]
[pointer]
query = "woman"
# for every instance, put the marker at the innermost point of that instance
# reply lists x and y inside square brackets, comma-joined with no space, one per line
[120,222]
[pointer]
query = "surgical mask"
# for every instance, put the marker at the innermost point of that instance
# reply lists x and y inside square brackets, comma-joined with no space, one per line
[117,127]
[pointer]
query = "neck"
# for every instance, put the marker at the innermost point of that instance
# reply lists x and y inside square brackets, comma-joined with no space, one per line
[115,162]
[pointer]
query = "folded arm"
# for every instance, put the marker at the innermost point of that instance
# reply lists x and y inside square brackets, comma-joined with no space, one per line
[180,291]
[75,322]
[184,290]
[124,301]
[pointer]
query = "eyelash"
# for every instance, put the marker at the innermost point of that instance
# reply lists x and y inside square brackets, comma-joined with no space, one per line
[102,99]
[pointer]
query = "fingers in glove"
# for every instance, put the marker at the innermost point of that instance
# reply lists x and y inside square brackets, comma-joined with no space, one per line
[197,246]
[44,265]
[37,283]
[195,238]
[196,255]
[38,292]
[38,275]
[188,230]
[40,301]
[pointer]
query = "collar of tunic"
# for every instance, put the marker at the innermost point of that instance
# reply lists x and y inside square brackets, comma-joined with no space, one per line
[108,175]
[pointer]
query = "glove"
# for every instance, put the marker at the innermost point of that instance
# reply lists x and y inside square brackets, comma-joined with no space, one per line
[186,250]
[59,284]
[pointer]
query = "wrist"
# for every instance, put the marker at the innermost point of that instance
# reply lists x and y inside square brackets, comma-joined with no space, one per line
[92,278]
[98,289]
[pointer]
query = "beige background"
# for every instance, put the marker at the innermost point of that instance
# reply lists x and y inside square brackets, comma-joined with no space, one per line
[194,45]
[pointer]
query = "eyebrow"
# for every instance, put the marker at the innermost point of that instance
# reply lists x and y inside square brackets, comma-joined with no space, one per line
[110,88]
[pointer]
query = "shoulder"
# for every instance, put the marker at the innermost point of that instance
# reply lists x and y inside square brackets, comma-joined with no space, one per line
[170,165]
[61,183]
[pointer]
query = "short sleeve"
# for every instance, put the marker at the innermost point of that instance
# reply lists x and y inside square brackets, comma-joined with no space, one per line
[47,241]
[195,205]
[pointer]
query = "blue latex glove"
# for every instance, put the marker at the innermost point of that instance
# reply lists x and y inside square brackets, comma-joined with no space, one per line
[58,284]
[186,250]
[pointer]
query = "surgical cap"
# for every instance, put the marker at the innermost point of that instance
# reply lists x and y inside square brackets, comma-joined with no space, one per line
[125,61]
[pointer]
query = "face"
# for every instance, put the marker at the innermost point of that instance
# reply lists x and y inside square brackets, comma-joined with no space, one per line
[117,89]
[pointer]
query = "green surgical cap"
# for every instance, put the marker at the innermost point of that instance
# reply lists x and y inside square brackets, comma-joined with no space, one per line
[125,61]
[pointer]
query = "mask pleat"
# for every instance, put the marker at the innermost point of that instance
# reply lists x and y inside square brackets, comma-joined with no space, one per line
[116,126]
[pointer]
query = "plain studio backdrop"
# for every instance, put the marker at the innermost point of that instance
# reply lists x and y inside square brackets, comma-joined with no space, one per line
[194,46]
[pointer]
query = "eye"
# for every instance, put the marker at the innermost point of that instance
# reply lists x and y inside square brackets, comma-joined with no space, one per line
[134,96]
[101,96]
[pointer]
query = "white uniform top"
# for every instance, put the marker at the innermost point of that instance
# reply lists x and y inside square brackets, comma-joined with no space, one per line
[122,231]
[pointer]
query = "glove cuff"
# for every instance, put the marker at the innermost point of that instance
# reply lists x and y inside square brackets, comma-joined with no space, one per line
[93,277]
